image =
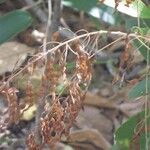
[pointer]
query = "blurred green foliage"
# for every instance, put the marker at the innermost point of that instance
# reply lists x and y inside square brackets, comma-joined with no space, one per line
[133,129]
[139,19]
[13,23]
[140,89]
[107,13]
[16,21]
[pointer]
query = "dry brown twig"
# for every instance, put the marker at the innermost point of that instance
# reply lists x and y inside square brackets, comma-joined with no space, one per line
[121,36]
[55,116]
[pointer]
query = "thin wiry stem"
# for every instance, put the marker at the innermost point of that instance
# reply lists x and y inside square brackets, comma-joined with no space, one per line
[73,38]
[41,99]
[119,39]
[138,14]
[52,26]
[146,103]
[48,25]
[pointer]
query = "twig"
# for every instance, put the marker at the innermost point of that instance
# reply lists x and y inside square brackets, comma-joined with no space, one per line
[48,25]
[41,100]
[39,13]
[63,23]
[55,17]
[146,101]
[33,5]
[51,27]
[38,57]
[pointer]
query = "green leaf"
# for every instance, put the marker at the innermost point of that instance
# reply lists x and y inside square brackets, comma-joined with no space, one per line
[94,9]
[125,134]
[132,22]
[143,10]
[115,147]
[136,6]
[84,5]
[13,23]
[140,89]
[106,13]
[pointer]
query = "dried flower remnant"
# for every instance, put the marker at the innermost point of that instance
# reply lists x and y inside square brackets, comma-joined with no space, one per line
[12,101]
[125,63]
[32,144]
[61,111]
[52,124]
